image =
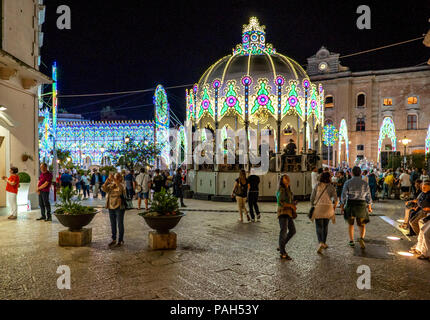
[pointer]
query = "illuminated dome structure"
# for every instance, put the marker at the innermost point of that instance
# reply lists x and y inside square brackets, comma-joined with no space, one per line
[255,87]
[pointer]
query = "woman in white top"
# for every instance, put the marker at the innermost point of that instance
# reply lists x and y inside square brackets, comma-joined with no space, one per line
[425,175]
[324,199]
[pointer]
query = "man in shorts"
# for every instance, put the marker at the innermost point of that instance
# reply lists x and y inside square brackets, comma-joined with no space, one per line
[143,185]
[356,204]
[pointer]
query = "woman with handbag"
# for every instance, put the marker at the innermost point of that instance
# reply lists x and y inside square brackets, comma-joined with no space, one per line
[286,214]
[324,202]
[240,191]
[115,190]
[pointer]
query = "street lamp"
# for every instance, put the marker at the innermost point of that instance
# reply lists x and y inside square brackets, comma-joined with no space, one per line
[102,149]
[405,141]
[127,140]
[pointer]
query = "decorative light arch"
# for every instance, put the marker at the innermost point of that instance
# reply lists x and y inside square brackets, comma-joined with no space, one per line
[428,142]
[162,122]
[343,137]
[387,129]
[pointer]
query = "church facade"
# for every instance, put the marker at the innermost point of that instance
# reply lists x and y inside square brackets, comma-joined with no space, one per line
[380,108]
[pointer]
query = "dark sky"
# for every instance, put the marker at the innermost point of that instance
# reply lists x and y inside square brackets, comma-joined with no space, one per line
[135,44]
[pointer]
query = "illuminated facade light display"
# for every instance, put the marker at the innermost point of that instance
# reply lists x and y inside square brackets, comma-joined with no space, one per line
[89,142]
[86,140]
[343,138]
[388,129]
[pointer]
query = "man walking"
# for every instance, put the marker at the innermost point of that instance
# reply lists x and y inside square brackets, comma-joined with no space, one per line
[253,183]
[66,180]
[130,184]
[104,178]
[43,188]
[143,183]
[356,204]
[95,183]
[158,182]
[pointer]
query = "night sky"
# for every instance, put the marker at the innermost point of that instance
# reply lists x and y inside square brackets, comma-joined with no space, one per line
[134,44]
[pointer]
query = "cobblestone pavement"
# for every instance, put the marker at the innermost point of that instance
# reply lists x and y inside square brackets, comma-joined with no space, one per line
[217,258]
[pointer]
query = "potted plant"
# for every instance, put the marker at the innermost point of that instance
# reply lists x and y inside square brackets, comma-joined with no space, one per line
[24,186]
[71,213]
[25,157]
[164,213]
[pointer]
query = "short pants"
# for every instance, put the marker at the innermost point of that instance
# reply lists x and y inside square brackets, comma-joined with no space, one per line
[143,195]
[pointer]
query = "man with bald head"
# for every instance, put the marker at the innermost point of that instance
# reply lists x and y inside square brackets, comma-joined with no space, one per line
[43,188]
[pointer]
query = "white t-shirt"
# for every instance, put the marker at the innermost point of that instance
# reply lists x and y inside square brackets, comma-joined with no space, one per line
[405,180]
[424,177]
[314,179]
[142,180]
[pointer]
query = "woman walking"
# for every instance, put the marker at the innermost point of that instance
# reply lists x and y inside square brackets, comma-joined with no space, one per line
[115,190]
[286,214]
[324,201]
[240,191]
[12,185]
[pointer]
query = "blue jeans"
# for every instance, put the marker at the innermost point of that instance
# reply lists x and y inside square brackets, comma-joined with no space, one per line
[288,230]
[45,205]
[117,220]
[387,191]
[373,191]
[322,229]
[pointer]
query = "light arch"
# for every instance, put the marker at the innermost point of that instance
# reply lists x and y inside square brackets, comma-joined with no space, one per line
[387,129]
[343,137]
[428,142]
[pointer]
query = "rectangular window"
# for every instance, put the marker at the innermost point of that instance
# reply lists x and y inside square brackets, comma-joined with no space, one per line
[388,102]
[360,147]
[412,122]
[329,102]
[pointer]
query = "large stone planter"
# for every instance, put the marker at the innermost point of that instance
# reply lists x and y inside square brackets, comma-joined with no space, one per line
[163,224]
[76,222]
[22,198]
[162,238]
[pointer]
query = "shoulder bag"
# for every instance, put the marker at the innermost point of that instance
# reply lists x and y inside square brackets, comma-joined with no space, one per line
[311,211]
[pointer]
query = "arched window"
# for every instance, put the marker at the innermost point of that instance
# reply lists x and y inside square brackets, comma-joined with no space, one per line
[412,100]
[412,122]
[361,124]
[361,100]
[329,101]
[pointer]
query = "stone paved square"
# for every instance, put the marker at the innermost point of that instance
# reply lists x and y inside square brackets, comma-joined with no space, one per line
[216,258]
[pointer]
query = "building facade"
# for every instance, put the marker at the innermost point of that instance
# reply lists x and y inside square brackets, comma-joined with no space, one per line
[380,108]
[20,42]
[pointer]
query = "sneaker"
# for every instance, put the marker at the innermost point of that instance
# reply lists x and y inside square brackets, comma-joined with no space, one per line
[112,243]
[320,249]
[120,243]
[351,244]
[325,246]
[248,217]
[41,219]
[12,218]
[258,217]
[253,220]
[362,244]
[49,219]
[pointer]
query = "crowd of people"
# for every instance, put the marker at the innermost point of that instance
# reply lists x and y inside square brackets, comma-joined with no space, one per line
[353,189]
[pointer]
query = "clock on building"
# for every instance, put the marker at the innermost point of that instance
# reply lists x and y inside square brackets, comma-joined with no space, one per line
[323,66]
